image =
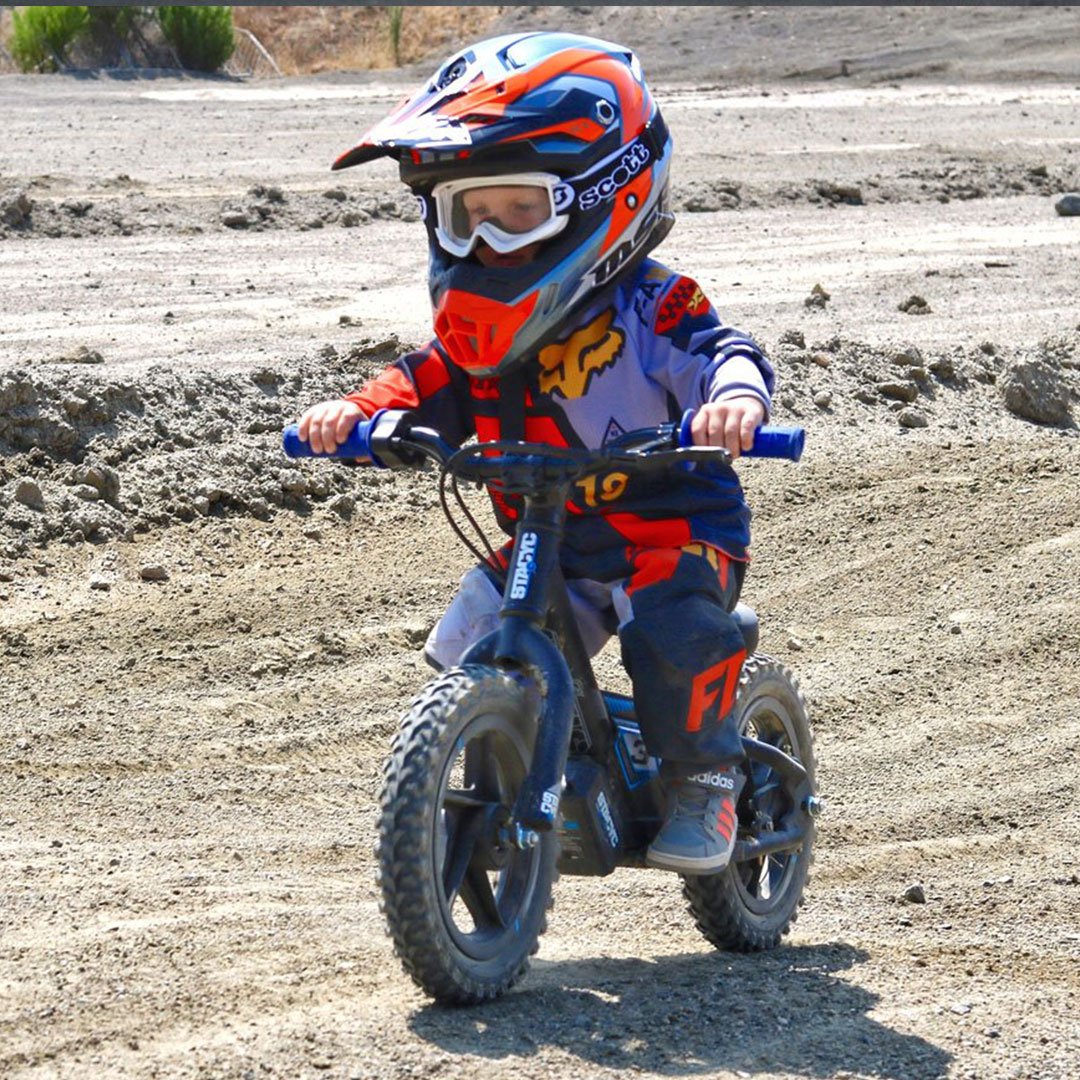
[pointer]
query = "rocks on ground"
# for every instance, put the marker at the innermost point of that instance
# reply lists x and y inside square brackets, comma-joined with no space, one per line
[90,457]
[134,211]
[964,387]
[1068,205]
[1035,390]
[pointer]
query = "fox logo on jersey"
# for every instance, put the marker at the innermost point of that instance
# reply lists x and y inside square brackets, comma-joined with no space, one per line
[567,367]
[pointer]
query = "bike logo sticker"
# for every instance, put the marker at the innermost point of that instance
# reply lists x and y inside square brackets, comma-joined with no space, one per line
[549,803]
[525,566]
[567,367]
[607,820]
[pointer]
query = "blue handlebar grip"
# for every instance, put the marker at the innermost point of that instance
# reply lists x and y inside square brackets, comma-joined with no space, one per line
[769,441]
[357,445]
[685,438]
[778,442]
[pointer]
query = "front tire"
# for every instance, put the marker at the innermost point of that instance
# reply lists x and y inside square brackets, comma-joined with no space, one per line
[464,907]
[750,905]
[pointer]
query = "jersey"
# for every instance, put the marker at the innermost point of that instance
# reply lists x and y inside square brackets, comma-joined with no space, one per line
[639,355]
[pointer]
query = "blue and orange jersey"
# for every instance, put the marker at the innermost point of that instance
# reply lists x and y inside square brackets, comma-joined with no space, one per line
[641,355]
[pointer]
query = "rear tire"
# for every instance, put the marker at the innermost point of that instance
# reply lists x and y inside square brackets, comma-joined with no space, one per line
[464,907]
[750,905]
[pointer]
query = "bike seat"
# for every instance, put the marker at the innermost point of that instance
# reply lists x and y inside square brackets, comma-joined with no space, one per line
[747,621]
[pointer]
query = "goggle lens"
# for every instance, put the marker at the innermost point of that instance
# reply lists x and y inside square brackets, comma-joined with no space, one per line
[507,213]
[512,209]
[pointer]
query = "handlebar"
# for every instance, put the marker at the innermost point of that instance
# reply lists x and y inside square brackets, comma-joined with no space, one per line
[357,445]
[770,440]
[390,439]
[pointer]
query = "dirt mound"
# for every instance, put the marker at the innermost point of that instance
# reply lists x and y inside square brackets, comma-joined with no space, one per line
[88,457]
[707,45]
[31,212]
[25,212]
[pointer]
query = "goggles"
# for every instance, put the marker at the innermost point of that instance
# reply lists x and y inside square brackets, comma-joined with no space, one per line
[507,212]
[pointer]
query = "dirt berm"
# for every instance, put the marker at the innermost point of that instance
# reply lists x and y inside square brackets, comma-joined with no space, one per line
[206,647]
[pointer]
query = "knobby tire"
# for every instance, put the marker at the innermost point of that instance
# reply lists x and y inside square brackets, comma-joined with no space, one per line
[432,858]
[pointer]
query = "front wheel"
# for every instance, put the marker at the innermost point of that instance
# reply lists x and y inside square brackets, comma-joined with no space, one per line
[464,906]
[750,905]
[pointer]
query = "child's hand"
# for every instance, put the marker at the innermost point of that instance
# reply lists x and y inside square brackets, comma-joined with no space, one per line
[327,425]
[729,423]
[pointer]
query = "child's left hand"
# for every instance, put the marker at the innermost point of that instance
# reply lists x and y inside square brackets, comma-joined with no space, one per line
[729,423]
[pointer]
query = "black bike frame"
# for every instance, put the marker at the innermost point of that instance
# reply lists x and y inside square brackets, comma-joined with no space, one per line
[535,610]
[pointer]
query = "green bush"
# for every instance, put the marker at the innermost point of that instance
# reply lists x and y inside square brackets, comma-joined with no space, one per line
[41,36]
[201,36]
[396,16]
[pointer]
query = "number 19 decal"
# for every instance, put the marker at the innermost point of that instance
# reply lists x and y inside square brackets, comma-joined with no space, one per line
[608,488]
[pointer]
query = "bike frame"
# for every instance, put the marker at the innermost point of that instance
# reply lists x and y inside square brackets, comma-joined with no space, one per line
[535,610]
[615,798]
[536,607]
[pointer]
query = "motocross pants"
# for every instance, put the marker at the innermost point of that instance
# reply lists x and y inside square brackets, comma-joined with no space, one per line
[680,644]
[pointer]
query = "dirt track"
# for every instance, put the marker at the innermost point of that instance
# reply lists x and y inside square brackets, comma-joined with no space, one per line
[190,765]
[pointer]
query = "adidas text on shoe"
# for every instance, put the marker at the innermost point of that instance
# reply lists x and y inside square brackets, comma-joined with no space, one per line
[699,832]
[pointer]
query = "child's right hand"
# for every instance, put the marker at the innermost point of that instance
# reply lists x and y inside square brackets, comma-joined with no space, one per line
[327,425]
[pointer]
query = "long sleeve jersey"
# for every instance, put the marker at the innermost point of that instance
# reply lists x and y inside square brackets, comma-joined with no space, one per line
[639,356]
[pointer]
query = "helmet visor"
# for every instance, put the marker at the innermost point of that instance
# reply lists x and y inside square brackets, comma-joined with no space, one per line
[507,212]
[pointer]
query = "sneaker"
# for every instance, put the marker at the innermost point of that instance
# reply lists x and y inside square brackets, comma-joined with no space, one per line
[698,835]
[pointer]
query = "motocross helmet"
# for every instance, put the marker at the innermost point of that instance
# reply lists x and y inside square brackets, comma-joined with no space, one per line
[568,122]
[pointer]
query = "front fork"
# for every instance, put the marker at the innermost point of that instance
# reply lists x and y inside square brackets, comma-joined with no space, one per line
[520,644]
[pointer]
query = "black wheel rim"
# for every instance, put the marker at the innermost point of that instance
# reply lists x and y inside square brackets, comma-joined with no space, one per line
[485,885]
[763,883]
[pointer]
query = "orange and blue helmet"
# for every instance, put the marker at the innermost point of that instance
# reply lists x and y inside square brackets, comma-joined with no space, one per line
[569,121]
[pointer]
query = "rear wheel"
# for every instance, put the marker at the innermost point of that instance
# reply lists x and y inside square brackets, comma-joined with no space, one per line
[751,904]
[464,906]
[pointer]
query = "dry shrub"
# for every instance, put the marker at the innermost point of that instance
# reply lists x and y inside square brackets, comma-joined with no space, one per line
[306,40]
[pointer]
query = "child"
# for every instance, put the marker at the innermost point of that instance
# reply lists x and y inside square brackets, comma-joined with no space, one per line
[541,163]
